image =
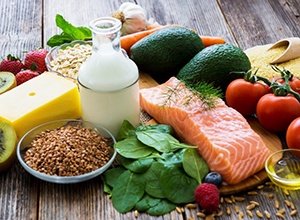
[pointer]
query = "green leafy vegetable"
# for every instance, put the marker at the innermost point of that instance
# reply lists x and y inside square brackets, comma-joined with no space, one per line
[132,148]
[177,186]
[69,33]
[153,186]
[137,166]
[194,165]
[154,176]
[128,190]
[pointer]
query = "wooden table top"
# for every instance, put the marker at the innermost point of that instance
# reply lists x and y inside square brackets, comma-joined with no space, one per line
[26,25]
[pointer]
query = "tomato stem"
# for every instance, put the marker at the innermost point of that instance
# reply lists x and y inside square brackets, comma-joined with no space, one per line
[283,89]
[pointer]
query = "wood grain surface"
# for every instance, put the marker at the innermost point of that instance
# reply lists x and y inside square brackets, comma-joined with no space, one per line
[25,25]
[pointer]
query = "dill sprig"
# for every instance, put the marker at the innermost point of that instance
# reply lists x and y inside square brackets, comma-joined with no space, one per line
[207,93]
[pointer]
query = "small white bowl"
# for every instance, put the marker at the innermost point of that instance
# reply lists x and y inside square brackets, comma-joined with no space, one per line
[30,135]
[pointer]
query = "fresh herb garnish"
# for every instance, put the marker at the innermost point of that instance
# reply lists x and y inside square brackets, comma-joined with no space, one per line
[207,93]
[155,173]
[69,33]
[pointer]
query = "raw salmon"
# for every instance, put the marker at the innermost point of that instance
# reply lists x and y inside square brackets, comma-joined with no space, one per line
[223,136]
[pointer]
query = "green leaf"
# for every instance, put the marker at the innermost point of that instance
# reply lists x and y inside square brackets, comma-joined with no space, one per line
[110,176]
[146,203]
[155,139]
[132,148]
[162,208]
[194,165]
[152,178]
[128,191]
[163,128]
[126,130]
[69,33]
[59,39]
[137,166]
[177,186]
[173,158]
[71,30]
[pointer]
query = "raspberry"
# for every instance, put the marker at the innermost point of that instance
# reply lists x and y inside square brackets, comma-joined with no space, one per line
[208,197]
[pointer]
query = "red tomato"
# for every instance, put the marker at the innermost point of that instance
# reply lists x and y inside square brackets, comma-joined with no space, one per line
[243,95]
[293,135]
[275,113]
[294,82]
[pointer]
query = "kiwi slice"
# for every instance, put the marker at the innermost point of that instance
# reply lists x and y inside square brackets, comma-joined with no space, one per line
[7,81]
[8,144]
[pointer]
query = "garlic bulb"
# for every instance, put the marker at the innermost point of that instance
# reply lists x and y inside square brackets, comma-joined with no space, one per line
[132,16]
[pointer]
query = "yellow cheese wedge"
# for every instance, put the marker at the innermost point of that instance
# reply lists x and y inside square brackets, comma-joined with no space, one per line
[44,98]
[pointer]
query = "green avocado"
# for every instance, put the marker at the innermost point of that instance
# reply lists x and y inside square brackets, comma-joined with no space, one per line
[163,53]
[218,65]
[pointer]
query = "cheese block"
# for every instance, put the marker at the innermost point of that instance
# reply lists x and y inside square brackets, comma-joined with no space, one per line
[44,98]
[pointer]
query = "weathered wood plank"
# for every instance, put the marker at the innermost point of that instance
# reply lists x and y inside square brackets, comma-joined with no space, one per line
[18,194]
[203,16]
[20,31]
[259,22]
[20,27]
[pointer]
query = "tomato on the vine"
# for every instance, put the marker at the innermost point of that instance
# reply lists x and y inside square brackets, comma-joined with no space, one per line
[293,134]
[243,95]
[275,113]
[293,81]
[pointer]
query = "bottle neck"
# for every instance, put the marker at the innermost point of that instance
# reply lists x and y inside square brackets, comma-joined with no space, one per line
[106,35]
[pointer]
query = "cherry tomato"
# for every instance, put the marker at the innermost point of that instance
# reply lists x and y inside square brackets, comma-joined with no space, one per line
[293,135]
[275,113]
[243,95]
[294,82]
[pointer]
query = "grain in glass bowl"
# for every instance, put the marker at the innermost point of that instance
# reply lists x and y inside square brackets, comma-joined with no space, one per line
[66,151]
[67,58]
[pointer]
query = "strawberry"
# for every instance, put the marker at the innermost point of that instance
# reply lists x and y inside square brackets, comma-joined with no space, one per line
[208,197]
[11,64]
[25,75]
[35,60]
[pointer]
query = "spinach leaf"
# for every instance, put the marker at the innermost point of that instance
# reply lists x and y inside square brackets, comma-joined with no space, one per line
[162,208]
[152,178]
[194,165]
[176,185]
[132,148]
[159,141]
[146,202]
[173,158]
[137,166]
[126,130]
[177,145]
[128,190]
[163,128]
[111,175]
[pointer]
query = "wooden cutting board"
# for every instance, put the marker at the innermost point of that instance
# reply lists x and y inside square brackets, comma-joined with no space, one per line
[271,140]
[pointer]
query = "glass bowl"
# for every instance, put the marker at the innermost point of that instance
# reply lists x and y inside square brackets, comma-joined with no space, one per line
[26,141]
[67,58]
[283,168]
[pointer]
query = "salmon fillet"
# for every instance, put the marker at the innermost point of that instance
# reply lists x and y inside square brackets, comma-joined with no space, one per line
[223,136]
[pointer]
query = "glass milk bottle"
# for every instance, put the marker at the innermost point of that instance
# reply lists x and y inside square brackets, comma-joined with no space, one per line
[108,80]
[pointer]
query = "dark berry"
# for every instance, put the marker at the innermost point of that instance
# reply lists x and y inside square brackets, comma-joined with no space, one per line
[214,178]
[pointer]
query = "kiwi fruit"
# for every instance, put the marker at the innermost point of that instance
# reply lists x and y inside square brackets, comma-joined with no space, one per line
[7,81]
[8,145]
